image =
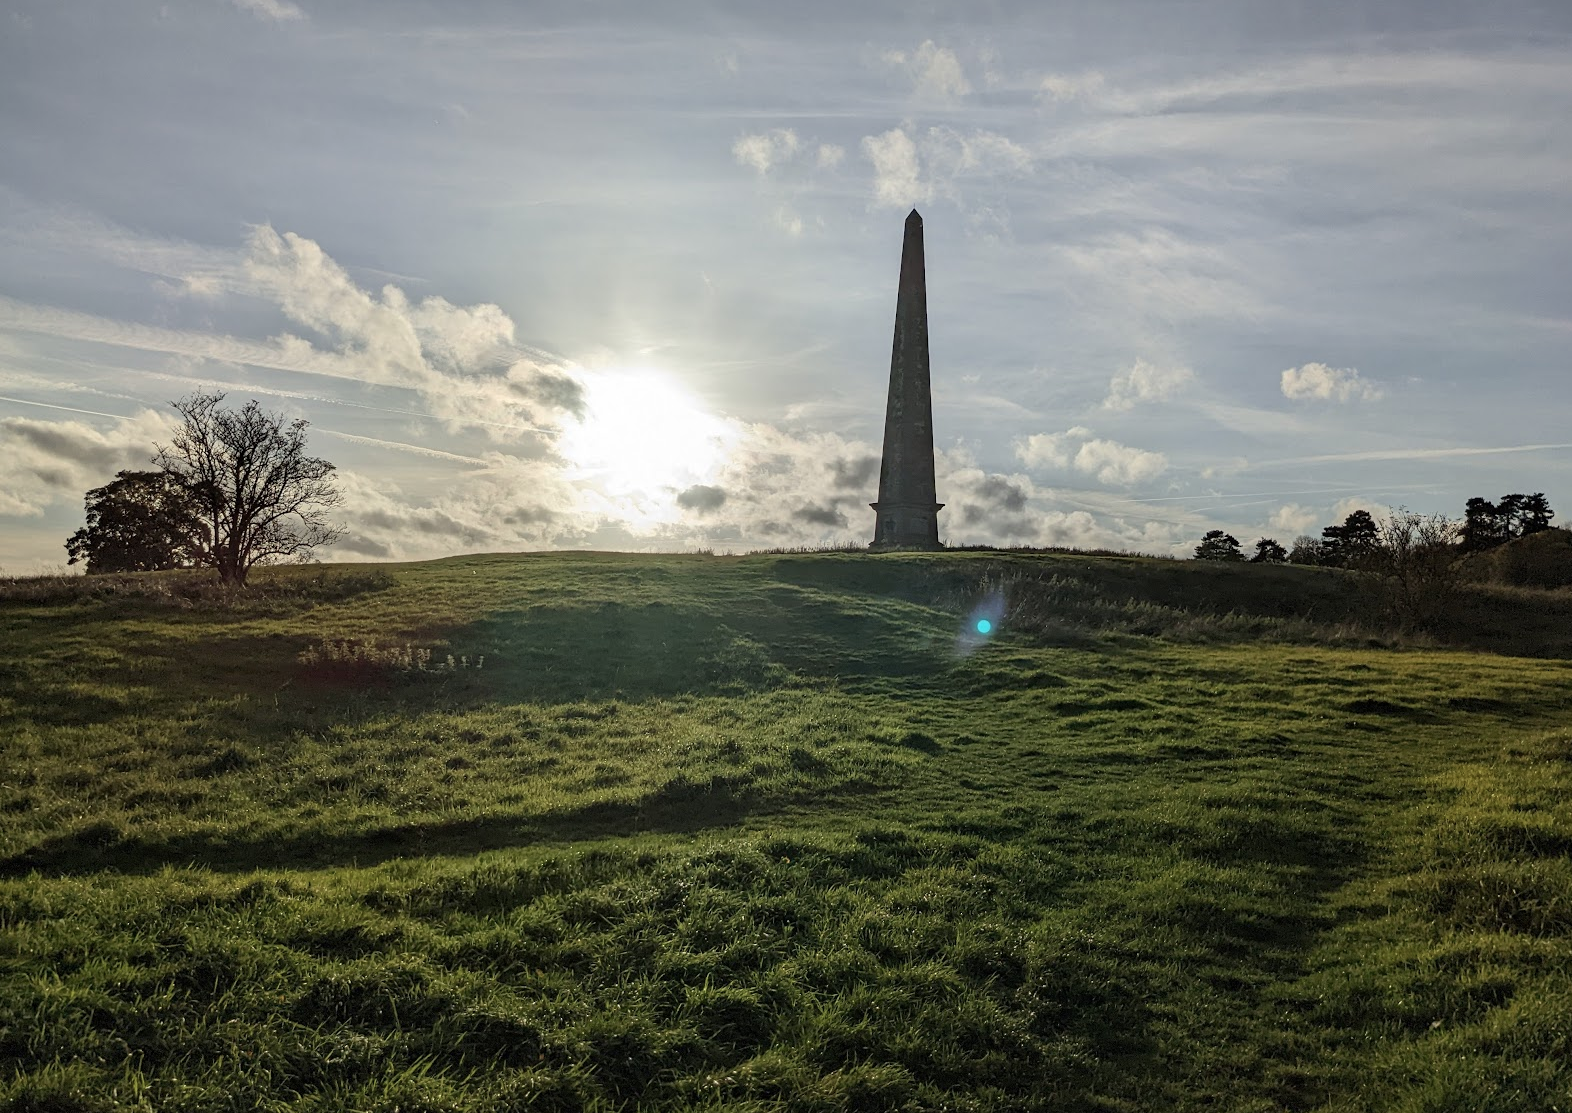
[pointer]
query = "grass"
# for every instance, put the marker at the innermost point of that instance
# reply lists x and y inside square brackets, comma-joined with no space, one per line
[772,833]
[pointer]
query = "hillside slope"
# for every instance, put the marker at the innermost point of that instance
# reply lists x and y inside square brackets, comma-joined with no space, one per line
[769,833]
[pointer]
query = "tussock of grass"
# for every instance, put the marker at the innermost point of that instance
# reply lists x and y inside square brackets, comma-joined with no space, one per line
[767,834]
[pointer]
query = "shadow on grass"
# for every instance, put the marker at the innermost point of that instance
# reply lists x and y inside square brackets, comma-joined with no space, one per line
[608,650]
[677,808]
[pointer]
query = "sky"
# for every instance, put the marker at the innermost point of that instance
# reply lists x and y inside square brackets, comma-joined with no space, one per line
[622,275]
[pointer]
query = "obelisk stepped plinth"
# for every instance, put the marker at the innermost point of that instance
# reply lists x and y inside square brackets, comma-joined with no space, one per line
[907,515]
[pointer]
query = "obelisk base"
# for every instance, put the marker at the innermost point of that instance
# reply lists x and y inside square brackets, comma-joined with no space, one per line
[906,527]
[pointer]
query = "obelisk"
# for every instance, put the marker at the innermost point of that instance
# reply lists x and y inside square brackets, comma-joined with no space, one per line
[907,515]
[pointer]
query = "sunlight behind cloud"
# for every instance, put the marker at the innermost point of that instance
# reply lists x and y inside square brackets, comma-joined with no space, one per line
[642,437]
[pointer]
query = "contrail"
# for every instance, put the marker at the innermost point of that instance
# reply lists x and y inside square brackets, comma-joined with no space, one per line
[1407,454]
[67,409]
[419,450]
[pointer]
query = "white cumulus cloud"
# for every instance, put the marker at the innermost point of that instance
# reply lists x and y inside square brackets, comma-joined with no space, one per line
[1144,382]
[1318,382]
[937,72]
[1292,518]
[462,360]
[1109,462]
[1051,450]
[1119,465]
[897,176]
[766,149]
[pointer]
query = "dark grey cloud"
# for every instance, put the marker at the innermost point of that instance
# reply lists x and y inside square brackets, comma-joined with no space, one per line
[854,473]
[821,516]
[74,443]
[702,498]
[996,490]
[529,516]
[357,545]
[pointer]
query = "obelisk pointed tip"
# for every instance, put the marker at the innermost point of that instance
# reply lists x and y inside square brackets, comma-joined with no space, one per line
[914,215]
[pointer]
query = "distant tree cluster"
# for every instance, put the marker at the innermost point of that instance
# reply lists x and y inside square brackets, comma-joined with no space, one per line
[1412,557]
[1359,539]
[233,489]
[1487,524]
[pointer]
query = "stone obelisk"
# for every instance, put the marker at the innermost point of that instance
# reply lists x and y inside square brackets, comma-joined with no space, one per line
[907,515]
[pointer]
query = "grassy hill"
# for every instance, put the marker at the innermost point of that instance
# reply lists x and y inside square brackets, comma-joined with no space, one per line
[1542,559]
[781,833]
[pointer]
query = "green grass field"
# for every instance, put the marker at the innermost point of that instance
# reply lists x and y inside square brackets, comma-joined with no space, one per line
[686,832]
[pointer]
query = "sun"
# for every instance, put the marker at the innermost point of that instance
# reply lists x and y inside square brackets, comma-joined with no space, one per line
[644,434]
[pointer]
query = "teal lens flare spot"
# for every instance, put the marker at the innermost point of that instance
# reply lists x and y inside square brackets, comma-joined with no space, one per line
[984,626]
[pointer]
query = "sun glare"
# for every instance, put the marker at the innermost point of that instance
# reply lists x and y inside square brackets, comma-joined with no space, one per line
[643,435]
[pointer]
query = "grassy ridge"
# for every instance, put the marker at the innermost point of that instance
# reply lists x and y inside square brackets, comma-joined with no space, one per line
[760,833]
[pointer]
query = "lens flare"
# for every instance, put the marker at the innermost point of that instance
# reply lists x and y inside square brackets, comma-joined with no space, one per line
[987,612]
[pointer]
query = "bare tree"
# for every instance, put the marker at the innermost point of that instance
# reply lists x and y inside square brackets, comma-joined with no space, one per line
[260,499]
[1415,561]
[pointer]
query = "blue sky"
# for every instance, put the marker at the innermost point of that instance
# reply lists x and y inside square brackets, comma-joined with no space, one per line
[623,275]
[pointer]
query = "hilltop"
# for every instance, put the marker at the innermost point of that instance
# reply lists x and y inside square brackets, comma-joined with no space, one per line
[612,831]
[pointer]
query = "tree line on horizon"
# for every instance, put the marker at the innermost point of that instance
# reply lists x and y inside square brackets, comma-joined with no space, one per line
[1484,525]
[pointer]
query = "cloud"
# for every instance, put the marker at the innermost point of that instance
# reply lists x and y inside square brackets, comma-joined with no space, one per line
[1292,518]
[1145,382]
[1155,271]
[1072,87]
[701,498]
[996,490]
[766,149]
[953,154]
[277,10]
[854,473]
[507,504]
[821,516]
[463,360]
[935,71]
[897,177]
[911,168]
[1109,462]
[1119,465]
[1327,384]
[50,462]
[938,72]
[1050,450]
[788,221]
[830,155]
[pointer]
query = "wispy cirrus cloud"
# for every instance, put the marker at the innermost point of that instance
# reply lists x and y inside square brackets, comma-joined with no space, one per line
[279,11]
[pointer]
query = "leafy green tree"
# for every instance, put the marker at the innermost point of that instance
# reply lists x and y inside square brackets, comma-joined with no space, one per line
[259,497]
[1268,551]
[1217,545]
[142,521]
[1348,545]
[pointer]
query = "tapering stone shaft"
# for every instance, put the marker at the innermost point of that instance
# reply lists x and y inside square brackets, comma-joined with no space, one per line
[907,515]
